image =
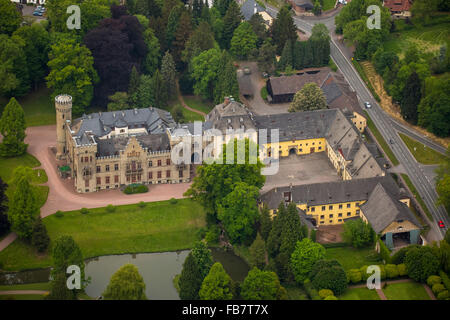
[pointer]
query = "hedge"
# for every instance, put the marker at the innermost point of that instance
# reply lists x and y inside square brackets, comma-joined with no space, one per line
[402,269]
[354,275]
[391,271]
[335,245]
[438,288]
[432,280]
[445,279]
[331,298]
[135,188]
[443,295]
[310,290]
[325,293]
[384,252]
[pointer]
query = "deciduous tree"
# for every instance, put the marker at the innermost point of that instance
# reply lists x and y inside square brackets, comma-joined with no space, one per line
[126,284]
[303,258]
[10,17]
[262,285]
[244,41]
[310,97]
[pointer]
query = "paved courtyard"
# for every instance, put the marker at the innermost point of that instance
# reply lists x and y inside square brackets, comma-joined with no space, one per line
[305,169]
[62,195]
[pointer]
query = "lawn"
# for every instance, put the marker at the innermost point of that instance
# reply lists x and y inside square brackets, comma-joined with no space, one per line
[7,165]
[359,294]
[38,107]
[422,154]
[351,258]
[406,291]
[158,227]
[417,195]
[198,103]
[387,150]
[188,116]
[328,5]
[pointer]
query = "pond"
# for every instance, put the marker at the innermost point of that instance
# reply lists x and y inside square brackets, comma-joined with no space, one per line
[157,269]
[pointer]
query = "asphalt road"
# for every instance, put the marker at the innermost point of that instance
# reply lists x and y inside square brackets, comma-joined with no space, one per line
[387,127]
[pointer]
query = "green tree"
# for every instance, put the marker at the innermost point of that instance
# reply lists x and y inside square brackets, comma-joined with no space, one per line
[169,75]
[118,101]
[310,97]
[226,84]
[203,258]
[216,180]
[72,72]
[358,233]
[283,29]
[216,285]
[190,279]
[65,253]
[40,238]
[4,223]
[411,98]
[158,90]
[286,59]
[421,11]
[273,242]
[265,222]
[144,94]
[183,33]
[201,39]
[244,41]
[317,9]
[262,285]
[239,213]
[305,255]
[10,18]
[58,288]
[133,86]
[23,208]
[231,21]
[126,284]
[421,263]
[330,275]
[151,61]
[205,68]
[266,56]
[258,253]
[259,28]
[443,189]
[172,24]
[14,72]
[12,128]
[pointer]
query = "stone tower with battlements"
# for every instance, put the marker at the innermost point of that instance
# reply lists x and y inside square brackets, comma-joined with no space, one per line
[63,106]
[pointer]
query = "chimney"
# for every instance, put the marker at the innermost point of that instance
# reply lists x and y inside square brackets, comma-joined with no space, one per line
[226,101]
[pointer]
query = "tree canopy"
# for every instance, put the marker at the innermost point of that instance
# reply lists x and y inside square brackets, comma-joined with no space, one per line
[217,285]
[12,128]
[310,97]
[262,285]
[126,284]
[305,255]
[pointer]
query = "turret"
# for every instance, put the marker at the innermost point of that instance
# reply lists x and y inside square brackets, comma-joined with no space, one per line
[63,106]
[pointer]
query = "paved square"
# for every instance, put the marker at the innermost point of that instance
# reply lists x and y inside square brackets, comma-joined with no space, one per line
[305,169]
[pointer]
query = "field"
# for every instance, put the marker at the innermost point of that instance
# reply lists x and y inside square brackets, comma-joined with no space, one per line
[406,291]
[158,227]
[359,294]
[422,154]
[351,258]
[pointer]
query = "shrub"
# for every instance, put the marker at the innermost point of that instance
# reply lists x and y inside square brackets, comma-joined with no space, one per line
[384,252]
[399,256]
[354,275]
[443,295]
[421,263]
[173,201]
[200,234]
[391,271]
[445,279]
[402,269]
[382,272]
[437,288]
[364,274]
[84,211]
[212,236]
[432,280]
[331,298]
[110,208]
[313,235]
[325,293]
[135,188]
[142,204]
[329,275]
[59,214]
[312,293]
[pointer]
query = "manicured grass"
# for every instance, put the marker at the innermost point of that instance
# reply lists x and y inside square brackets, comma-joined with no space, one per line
[406,291]
[351,258]
[7,165]
[199,104]
[188,116]
[38,107]
[44,286]
[328,5]
[359,294]
[22,297]
[387,150]
[422,154]
[417,195]
[158,227]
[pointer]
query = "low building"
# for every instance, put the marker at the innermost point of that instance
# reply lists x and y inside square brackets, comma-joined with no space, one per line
[399,8]
[301,6]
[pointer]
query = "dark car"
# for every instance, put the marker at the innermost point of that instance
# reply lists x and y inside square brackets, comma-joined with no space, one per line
[367,105]
[441,224]
[37,13]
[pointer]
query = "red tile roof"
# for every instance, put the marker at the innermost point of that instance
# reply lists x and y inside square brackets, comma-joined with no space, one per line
[398,5]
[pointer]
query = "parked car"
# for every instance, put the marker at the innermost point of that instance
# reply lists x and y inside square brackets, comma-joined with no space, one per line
[367,105]
[441,224]
[37,13]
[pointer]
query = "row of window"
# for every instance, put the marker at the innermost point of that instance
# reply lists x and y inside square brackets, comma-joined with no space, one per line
[331,215]
[133,165]
[330,207]
[137,177]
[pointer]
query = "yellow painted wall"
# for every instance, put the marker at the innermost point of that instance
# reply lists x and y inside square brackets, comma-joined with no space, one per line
[359,121]
[302,146]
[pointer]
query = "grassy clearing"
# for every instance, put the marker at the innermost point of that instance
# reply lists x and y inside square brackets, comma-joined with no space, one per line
[198,103]
[38,107]
[387,150]
[188,116]
[351,258]
[406,291]
[328,5]
[22,297]
[359,294]
[417,195]
[44,286]
[422,154]
[7,165]
[158,227]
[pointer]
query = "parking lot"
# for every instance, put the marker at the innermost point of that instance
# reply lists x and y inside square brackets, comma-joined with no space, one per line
[27,11]
[305,169]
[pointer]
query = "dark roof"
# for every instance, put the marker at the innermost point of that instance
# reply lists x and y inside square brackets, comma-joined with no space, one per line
[332,192]
[248,9]
[230,114]
[100,124]
[291,84]
[382,209]
[307,4]
[152,142]
[245,85]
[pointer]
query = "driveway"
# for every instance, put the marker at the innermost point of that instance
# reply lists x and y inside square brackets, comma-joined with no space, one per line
[62,195]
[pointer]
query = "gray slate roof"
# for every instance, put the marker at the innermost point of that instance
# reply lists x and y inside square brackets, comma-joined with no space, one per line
[153,142]
[291,84]
[332,192]
[231,115]
[248,9]
[382,209]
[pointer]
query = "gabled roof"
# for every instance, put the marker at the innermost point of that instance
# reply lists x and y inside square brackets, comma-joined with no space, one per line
[307,4]
[152,142]
[248,9]
[398,5]
[382,209]
[291,84]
